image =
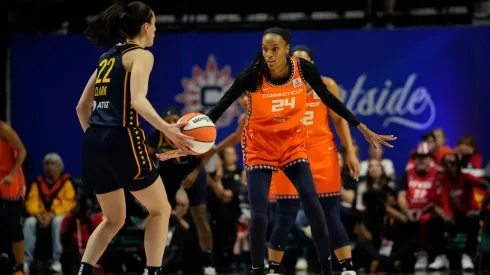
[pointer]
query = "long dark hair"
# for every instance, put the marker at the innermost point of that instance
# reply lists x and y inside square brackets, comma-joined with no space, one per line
[118,22]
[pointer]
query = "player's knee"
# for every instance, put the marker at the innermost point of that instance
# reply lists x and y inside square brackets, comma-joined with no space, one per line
[161,209]
[115,221]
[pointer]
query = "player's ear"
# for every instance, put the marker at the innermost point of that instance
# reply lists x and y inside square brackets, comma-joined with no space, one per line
[288,46]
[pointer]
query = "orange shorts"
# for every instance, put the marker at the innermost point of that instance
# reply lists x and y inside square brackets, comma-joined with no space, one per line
[272,150]
[16,190]
[325,169]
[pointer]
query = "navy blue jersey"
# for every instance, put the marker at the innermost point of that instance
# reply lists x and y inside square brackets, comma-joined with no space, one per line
[111,106]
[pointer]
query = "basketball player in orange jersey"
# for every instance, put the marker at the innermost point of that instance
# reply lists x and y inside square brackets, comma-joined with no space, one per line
[274,137]
[114,153]
[12,192]
[322,155]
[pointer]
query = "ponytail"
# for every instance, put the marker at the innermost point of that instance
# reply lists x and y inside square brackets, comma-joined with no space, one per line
[118,22]
[260,69]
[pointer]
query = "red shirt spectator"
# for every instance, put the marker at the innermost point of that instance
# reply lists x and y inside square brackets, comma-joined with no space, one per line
[457,194]
[79,232]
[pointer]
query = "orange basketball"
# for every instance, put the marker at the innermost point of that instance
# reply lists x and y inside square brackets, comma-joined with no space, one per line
[202,129]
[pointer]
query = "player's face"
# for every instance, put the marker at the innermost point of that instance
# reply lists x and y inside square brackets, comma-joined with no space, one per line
[150,29]
[302,54]
[274,50]
[171,119]
[243,100]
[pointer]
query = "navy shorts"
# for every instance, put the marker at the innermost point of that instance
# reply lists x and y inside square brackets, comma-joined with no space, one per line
[114,158]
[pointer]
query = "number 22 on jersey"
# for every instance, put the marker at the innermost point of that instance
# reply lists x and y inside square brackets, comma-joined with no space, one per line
[106,63]
[105,68]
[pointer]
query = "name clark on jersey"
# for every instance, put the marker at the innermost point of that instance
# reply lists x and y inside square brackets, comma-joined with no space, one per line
[294,92]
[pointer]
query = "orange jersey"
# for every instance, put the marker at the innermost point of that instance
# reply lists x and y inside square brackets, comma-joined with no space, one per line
[322,153]
[17,189]
[274,135]
[315,120]
[278,107]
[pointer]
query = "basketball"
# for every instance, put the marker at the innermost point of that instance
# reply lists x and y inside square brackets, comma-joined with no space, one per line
[202,129]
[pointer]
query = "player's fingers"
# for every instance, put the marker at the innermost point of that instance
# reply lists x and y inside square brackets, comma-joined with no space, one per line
[373,143]
[387,137]
[385,143]
[185,137]
[180,124]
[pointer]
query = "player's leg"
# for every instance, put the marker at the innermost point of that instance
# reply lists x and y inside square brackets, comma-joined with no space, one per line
[258,181]
[339,238]
[154,199]
[12,213]
[299,174]
[97,177]
[113,205]
[286,212]
[197,200]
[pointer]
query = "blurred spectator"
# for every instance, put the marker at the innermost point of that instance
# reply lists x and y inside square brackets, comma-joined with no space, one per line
[430,140]
[416,188]
[377,154]
[182,239]
[441,148]
[76,228]
[12,192]
[241,249]
[376,230]
[376,178]
[456,212]
[467,155]
[50,198]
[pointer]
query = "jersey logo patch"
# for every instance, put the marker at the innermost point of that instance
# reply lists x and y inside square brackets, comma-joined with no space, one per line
[205,88]
[297,82]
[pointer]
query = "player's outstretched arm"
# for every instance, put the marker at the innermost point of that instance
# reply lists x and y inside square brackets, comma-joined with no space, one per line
[313,77]
[86,101]
[140,75]
[244,81]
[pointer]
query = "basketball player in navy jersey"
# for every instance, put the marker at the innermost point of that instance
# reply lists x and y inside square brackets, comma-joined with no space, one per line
[115,156]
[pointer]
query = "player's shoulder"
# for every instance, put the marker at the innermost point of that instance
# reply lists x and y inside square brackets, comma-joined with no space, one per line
[328,80]
[247,78]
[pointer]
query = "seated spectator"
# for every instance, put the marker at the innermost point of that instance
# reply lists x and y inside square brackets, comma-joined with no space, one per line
[376,178]
[50,198]
[376,230]
[374,154]
[441,148]
[416,188]
[430,140]
[467,155]
[241,250]
[456,212]
[76,228]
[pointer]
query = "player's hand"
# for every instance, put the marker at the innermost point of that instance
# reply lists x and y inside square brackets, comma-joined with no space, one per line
[7,180]
[175,135]
[352,163]
[171,154]
[190,179]
[374,138]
